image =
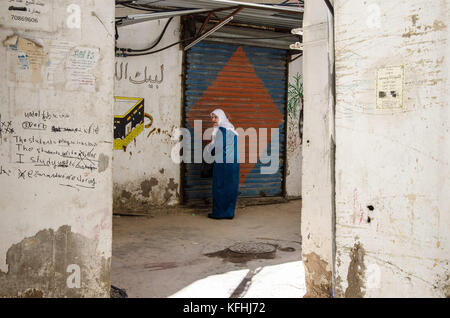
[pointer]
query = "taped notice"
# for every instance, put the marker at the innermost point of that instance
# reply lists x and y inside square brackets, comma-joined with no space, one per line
[27,14]
[79,67]
[25,59]
[390,82]
[58,53]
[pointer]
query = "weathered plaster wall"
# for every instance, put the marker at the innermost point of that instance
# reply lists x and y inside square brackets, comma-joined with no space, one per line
[294,140]
[56,102]
[392,164]
[317,172]
[144,173]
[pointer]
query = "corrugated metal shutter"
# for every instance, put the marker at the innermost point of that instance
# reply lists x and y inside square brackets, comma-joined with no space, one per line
[249,84]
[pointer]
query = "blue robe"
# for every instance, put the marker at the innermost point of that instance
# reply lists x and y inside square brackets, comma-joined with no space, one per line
[226,175]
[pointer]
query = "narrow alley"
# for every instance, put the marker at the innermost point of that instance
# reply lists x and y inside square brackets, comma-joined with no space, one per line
[182,253]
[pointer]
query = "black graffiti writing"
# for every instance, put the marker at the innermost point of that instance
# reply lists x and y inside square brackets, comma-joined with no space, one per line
[5,171]
[80,162]
[139,77]
[33,126]
[6,127]
[21,147]
[45,115]
[24,19]
[21,174]
[50,141]
[92,129]
[19,155]
[80,180]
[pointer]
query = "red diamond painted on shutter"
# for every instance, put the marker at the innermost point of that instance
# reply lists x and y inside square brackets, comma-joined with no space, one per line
[241,94]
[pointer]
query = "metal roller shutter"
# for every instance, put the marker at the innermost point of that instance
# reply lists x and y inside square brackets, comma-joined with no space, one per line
[249,84]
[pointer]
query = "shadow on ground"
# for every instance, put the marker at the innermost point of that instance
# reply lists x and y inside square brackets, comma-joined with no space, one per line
[185,254]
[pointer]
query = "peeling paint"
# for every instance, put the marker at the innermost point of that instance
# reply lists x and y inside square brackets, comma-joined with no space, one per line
[318,278]
[436,26]
[146,186]
[172,186]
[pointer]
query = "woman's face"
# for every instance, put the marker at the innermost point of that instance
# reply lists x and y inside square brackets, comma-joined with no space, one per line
[215,119]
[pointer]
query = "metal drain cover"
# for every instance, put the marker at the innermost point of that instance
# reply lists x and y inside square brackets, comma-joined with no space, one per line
[252,248]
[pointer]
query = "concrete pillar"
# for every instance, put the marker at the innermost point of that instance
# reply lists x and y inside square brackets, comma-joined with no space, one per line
[318,150]
[56,102]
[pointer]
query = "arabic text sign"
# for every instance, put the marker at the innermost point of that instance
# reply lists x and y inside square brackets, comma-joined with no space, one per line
[27,14]
[139,77]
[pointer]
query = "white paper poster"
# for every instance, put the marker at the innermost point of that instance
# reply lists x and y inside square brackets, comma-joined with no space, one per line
[390,82]
[79,67]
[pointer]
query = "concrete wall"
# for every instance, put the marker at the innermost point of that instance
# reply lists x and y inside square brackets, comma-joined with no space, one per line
[318,143]
[392,160]
[56,101]
[294,140]
[144,174]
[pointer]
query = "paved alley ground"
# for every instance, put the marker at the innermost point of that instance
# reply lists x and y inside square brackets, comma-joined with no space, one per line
[182,253]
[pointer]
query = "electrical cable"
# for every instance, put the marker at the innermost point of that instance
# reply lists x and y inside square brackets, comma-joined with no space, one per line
[124,51]
[131,2]
[157,41]
[286,4]
[136,8]
[123,54]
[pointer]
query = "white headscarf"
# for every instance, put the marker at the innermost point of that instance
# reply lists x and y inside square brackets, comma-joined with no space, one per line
[223,121]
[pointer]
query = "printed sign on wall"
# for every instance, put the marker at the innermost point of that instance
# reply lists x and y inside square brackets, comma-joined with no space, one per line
[390,81]
[79,67]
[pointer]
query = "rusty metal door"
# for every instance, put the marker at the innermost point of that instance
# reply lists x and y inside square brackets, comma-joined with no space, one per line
[249,84]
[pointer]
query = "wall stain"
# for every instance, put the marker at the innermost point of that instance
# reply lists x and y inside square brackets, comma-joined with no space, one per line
[146,194]
[414,18]
[146,186]
[32,293]
[417,30]
[103,162]
[172,186]
[355,273]
[37,266]
[125,194]
[318,278]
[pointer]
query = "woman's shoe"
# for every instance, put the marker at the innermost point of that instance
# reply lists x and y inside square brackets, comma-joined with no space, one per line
[211,216]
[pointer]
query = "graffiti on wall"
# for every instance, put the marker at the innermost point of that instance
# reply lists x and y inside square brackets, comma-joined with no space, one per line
[129,122]
[295,112]
[139,77]
[47,145]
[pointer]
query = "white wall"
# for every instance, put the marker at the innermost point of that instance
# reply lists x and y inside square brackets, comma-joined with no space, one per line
[318,139]
[144,174]
[56,149]
[294,142]
[392,164]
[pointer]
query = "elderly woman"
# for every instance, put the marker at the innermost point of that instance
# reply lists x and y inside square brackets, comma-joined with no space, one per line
[226,168]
